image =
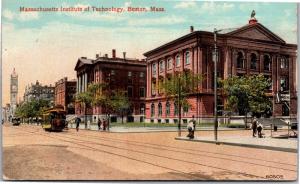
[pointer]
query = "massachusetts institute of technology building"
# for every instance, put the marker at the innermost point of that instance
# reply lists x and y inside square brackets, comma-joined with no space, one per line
[250,49]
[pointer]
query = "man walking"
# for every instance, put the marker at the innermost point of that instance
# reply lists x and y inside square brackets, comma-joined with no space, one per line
[254,126]
[77,122]
[191,127]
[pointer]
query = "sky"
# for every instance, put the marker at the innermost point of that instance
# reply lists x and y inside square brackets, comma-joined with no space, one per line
[45,46]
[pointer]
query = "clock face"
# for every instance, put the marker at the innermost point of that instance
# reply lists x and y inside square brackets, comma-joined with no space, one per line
[14,88]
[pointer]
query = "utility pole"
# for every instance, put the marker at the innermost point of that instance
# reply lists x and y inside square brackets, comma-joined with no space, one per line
[215,85]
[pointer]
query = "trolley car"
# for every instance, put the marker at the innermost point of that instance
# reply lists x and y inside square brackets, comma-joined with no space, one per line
[54,119]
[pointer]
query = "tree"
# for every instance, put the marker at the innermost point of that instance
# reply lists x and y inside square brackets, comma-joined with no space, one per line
[32,109]
[247,94]
[86,99]
[178,87]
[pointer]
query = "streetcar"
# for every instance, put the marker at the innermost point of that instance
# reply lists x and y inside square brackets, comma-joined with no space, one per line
[54,119]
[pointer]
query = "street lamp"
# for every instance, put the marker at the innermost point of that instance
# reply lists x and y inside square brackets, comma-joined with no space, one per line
[215,55]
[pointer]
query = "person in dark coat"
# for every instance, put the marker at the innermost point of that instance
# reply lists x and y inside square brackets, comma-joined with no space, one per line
[191,128]
[99,124]
[254,127]
[104,124]
[259,130]
[77,122]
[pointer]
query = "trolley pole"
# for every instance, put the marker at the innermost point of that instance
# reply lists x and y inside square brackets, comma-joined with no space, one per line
[215,85]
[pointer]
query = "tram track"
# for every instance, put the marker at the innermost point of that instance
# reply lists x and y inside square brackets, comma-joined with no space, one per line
[72,138]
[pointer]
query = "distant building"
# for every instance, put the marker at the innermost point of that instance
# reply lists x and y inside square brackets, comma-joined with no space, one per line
[37,91]
[13,92]
[65,92]
[119,73]
[6,113]
[249,50]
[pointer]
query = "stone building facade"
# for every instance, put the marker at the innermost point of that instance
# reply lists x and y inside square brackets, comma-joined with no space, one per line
[38,91]
[119,73]
[65,92]
[248,50]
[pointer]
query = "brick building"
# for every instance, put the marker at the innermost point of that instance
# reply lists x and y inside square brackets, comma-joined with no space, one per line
[65,92]
[248,50]
[119,73]
[38,91]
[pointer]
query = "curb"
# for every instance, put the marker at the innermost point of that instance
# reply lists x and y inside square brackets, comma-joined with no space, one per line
[292,150]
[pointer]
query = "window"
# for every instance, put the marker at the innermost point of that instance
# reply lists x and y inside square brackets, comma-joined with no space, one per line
[285,110]
[167,109]
[152,110]
[129,74]
[153,69]
[284,83]
[142,74]
[240,60]
[267,63]
[159,109]
[142,92]
[284,63]
[253,61]
[178,60]
[153,87]
[112,72]
[129,91]
[161,66]
[142,108]
[187,58]
[186,109]
[169,63]
[268,77]
[175,109]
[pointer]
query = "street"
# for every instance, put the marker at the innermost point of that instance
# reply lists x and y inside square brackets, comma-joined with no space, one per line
[30,153]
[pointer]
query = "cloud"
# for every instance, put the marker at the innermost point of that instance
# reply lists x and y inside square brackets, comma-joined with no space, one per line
[166,20]
[185,4]
[21,16]
[213,8]
[8,14]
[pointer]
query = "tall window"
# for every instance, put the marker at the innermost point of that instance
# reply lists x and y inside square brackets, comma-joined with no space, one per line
[129,91]
[253,61]
[167,109]
[284,62]
[187,58]
[142,92]
[268,77]
[152,110]
[267,63]
[284,83]
[175,109]
[142,108]
[142,74]
[129,74]
[240,60]
[178,60]
[153,69]
[185,109]
[161,66]
[159,109]
[169,63]
[153,87]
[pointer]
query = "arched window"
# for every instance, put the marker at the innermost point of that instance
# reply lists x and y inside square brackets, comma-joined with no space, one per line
[240,60]
[267,63]
[167,109]
[178,60]
[159,109]
[253,61]
[169,63]
[161,66]
[187,58]
[152,110]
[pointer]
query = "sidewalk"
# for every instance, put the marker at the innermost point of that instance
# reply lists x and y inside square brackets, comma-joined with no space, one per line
[286,145]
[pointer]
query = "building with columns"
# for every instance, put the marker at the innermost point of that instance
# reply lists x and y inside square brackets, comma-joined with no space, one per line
[64,94]
[249,50]
[119,73]
[13,92]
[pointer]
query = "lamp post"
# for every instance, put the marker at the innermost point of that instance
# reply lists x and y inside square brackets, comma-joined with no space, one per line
[215,55]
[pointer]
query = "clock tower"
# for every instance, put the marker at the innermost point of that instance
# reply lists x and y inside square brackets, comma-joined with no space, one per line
[13,92]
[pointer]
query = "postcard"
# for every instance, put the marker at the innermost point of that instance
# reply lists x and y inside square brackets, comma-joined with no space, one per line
[134,90]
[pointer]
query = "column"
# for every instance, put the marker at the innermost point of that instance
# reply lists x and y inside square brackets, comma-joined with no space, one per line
[85,82]
[77,85]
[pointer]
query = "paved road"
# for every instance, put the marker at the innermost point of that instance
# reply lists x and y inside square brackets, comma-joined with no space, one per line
[31,153]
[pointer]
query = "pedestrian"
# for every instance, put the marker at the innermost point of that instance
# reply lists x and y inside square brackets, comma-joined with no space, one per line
[191,128]
[259,130]
[254,126]
[99,124]
[104,124]
[77,122]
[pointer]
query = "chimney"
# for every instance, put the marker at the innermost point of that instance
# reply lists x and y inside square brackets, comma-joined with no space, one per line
[97,56]
[114,53]
[191,29]
[106,55]
[124,55]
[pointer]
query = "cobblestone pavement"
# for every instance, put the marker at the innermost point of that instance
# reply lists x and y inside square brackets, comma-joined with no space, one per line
[30,153]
